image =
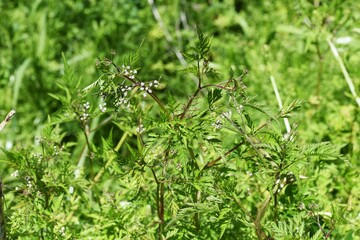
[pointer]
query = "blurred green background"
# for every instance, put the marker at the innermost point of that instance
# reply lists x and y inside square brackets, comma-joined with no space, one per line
[283,39]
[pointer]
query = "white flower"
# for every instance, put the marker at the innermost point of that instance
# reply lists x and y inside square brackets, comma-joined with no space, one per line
[62,231]
[15,174]
[56,151]
[140,129]
[217,124]
[87,105]
[102,107]
[84,116]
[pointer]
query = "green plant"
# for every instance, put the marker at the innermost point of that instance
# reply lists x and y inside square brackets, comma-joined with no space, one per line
[195,163]
[190,154]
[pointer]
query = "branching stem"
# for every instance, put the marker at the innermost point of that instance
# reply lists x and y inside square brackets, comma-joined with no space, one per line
[153,95]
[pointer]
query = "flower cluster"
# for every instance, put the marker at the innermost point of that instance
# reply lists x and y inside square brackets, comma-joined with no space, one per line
[105,62]
[40,140]
[128,72]
[57,150]
[119,91]
[123,89]
[140,129]
[121,96]
[102,107]
[282,181]
[85,115]
[121,101]
[15,174]
[62,231]
[218,124]
[38,156]
[28,182]
[146,87]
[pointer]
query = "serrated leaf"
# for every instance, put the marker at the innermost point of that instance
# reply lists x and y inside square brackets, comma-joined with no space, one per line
[189,57]
[133,57]
[192,69]
[223,228]
[213,96]
[57,203]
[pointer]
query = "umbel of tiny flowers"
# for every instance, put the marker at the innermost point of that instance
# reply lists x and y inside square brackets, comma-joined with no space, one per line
[85,115]
[120,91]
[128,73]
[15,174]
[140,129]
[102,107]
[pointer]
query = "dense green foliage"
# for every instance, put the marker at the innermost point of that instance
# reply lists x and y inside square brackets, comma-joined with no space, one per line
[142,120]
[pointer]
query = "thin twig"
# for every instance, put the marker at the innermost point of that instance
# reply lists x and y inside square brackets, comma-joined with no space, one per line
[213,162]
[7,119]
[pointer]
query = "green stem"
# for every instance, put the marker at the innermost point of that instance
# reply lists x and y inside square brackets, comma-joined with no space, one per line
[197,214]
[260,214]
[320,70]
[159,203]
[86,131]
[2,215]
[212,163]
[187,107]
[121,142]
[199,74]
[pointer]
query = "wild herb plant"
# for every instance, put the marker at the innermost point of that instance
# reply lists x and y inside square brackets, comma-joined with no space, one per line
[214,166]
[206,168]
[105,193]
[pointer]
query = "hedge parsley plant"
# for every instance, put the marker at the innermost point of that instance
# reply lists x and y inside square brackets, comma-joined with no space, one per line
[213,166]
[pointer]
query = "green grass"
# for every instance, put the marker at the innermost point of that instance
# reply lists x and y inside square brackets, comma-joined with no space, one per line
[213,175]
